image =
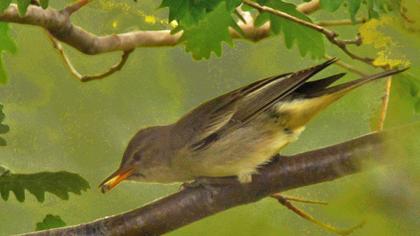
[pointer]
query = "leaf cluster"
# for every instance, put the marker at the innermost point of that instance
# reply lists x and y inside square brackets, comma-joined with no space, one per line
[205,23]
[3,128]
[6,45]
[58,183]
[374,7]
[50,222]
[307,40]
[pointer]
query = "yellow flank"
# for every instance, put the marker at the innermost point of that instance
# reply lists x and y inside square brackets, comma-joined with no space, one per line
[301,111]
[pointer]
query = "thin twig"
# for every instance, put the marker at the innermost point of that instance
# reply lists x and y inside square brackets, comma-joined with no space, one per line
[384,105]
[356,41]
[301,200]
[285,202]
[347,67]
[342,22]
[85,78]
[329,34]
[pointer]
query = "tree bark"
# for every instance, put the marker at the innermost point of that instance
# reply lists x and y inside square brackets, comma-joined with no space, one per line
[58,23]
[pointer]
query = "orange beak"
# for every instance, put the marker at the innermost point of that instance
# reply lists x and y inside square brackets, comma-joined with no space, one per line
[114,179]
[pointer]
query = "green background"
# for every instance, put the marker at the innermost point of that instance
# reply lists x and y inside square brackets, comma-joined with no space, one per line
[58,123]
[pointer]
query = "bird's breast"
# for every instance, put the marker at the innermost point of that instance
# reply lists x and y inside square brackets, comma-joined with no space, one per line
[243,149]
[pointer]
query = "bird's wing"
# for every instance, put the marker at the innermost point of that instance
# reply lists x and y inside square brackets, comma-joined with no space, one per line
[259,100]
[207,122]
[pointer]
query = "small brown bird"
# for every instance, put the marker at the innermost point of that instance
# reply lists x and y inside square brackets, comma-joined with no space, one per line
[232,135]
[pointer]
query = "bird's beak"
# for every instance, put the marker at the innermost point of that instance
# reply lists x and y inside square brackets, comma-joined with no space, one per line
[114,179]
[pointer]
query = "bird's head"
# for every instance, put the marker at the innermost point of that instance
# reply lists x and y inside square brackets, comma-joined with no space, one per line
[142,158]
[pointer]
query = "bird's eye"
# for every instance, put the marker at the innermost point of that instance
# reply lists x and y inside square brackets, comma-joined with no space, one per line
[137,157]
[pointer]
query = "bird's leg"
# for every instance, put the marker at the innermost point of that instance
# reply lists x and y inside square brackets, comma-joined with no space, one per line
[285,201]
[208,182]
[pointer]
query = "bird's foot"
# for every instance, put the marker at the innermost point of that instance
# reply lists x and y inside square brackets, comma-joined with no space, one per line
[286,201]
[209,183]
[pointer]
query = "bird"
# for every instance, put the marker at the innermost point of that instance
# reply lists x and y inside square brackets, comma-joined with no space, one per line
[233,134]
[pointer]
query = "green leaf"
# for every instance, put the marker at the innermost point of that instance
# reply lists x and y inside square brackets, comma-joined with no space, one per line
[4,4]
[374,7]
[208,35]
[6,45]
[4,170]
[50,222]
[23,6]
[44,3]
[190,12]
[353,7]
[58,183]
[331,5]
[3,128]
[404,99]
[232,4]
[307,40]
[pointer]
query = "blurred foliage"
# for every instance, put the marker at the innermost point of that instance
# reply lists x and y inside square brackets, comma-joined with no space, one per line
[3,128]
[58,183]
[374,7]
[50,222]
[308,40]
[377,32]
[6,45]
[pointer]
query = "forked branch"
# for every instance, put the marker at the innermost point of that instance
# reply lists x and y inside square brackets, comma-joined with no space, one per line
[332,36]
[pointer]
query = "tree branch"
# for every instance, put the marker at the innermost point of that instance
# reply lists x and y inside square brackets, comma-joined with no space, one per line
[283,173]
[59,25]
[86,78]
[341,22]
[329,34]
[347,67]
[384,105]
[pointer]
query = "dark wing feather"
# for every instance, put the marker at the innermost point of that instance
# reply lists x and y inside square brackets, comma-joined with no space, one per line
[317,85]
[261,99]
[206,123]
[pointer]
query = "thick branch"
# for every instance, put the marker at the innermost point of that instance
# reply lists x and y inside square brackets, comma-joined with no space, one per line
[282,174]
[59,25]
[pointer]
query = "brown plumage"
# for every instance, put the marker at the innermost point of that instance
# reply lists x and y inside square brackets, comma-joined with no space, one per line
[233,134]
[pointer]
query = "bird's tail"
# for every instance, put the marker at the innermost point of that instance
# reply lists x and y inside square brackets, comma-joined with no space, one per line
[314,96]
[342,89]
